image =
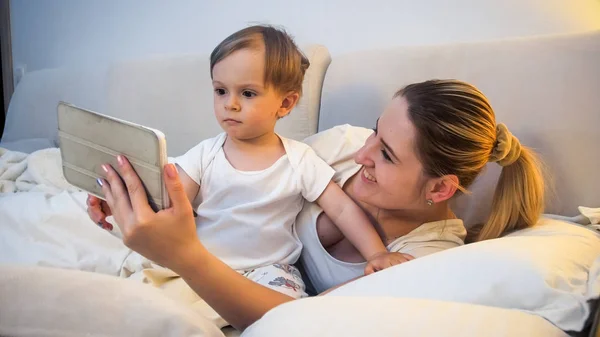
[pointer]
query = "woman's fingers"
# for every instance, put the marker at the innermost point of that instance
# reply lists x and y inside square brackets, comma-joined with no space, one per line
[116,196]
[177,195]
[164,237]
[135,189]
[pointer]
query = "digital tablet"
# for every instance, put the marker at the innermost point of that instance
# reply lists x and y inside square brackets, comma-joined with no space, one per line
[89,139]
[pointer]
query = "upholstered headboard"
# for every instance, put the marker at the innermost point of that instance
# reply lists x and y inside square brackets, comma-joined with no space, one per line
[171,93]
[546,89]
[175,95]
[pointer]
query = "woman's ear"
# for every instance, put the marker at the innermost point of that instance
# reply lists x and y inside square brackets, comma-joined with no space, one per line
[443,188]
[288,103]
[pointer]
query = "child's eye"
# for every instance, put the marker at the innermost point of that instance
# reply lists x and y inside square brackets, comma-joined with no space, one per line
[220,92]
[385,155]
[248,94]
[375,129]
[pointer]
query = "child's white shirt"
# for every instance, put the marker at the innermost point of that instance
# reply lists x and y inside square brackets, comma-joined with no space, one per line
[246,218]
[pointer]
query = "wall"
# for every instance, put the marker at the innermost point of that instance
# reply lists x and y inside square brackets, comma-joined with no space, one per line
[49,34]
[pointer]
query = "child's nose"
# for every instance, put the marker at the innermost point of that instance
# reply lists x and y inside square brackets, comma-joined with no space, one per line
[232,104]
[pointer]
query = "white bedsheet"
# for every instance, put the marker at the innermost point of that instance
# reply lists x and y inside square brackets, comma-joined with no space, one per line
[43,220]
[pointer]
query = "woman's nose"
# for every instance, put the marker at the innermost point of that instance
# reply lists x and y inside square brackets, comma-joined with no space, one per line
[364,156]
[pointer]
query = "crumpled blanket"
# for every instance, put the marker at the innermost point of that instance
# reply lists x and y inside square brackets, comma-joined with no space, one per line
[43,222]
[40,171]
[588,216]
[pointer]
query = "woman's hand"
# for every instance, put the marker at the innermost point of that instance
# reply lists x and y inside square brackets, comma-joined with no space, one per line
[98,210]
[385,260]
[169,238]
[166,237]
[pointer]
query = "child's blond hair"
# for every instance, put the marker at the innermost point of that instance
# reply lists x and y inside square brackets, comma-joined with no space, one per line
[285,64]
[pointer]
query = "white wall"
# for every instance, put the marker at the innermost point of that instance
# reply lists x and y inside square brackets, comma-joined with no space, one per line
[49,34]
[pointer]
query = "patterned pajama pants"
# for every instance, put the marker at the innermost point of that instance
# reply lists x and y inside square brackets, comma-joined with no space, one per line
[283,278]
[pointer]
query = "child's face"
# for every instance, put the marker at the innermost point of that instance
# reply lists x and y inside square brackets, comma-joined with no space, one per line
[244,107]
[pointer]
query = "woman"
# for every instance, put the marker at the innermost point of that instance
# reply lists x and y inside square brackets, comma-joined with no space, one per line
[431,142]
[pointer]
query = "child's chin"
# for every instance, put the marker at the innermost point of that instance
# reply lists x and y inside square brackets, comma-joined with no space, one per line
[237,134]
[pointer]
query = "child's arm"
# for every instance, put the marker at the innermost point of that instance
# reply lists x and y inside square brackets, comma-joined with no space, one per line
[351,221]
[189,185]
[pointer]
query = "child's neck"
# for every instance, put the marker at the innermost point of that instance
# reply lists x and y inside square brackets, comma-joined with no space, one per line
[257,144]
[253,154]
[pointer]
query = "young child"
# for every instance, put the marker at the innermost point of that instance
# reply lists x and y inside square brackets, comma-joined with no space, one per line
[248,184]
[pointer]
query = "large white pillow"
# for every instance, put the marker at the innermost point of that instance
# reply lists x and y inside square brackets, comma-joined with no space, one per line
[39,301]
[332,316]
[552,270]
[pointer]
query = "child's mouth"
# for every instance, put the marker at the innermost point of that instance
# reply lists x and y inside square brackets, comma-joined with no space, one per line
[231,121]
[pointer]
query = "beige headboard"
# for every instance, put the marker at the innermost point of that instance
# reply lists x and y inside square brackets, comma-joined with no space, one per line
[546,89]
[175,95]
[172,93]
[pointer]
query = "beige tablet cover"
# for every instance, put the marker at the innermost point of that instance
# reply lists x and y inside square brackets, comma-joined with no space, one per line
[88,139]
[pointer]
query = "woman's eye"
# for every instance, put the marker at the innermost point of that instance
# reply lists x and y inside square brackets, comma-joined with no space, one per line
[385,155]
[220,92]
[248,94]
[375,130]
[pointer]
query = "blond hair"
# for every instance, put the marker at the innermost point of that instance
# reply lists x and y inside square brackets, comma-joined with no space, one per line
[285,64]
[457,135]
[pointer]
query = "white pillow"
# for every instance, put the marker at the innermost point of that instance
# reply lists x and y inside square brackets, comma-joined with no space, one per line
[552,270]
[39,301]
[330,316]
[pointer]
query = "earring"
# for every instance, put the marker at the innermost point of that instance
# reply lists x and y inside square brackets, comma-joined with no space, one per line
[429,202]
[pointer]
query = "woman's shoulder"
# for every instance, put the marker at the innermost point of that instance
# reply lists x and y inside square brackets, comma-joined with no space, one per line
[338,142]
[431,237]
[346,131]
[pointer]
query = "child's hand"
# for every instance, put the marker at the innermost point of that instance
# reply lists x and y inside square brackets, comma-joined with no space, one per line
[98,210]
[384,260]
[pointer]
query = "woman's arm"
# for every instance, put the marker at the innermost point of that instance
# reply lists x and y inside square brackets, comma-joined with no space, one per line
[237,299]
[169,238]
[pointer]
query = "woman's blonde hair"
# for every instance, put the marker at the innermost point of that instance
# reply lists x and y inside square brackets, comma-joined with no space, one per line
[457,135]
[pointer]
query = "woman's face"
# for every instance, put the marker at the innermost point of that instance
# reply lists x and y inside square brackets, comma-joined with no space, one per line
[391,177]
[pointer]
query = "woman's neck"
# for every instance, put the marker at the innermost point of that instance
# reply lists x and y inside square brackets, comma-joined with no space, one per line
[396,223]
[392,224]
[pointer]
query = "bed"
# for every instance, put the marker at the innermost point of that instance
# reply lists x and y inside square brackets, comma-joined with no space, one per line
[543,282]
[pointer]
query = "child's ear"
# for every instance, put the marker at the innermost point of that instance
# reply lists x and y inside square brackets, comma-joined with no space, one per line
[288,103]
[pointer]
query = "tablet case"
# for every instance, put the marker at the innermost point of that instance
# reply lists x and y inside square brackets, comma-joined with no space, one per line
[88,139]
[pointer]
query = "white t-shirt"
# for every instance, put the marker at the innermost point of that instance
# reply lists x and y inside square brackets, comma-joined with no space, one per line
[246,218]
[337,147]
